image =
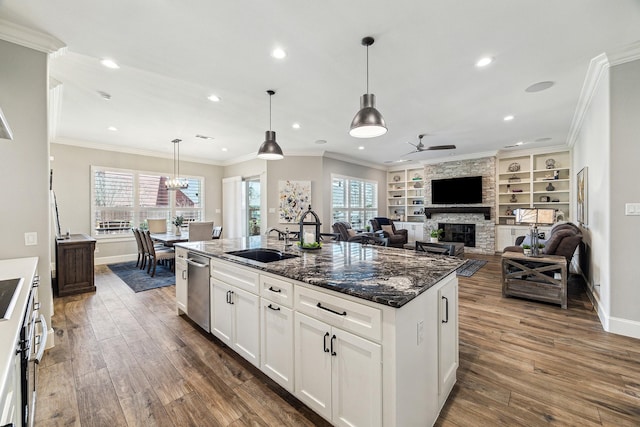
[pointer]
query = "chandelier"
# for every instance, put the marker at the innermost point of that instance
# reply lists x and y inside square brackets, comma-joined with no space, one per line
[176,183]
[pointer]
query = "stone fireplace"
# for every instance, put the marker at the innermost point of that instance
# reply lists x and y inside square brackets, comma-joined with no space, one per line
[474,224]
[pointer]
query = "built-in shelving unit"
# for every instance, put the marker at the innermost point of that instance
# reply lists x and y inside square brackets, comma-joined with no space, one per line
[539,180]
[405,194]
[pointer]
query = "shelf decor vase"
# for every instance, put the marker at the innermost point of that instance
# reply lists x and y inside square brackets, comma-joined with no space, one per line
[433,239]
[178,231]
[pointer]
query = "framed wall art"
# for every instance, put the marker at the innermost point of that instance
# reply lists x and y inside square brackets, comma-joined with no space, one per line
[295,198]
[582,196]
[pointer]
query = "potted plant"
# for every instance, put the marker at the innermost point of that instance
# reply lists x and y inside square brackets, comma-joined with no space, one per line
[368,228]
[178,221]
[527,249]
[435,234]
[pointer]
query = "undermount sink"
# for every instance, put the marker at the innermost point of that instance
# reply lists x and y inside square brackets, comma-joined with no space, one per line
[262,254]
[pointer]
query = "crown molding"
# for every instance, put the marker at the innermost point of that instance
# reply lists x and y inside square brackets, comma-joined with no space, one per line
[129,150]
[597,69]
[30,38]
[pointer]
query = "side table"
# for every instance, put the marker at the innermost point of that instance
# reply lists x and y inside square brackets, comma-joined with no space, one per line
[538,278]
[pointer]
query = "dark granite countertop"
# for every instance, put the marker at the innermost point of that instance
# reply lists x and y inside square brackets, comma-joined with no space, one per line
[384,275]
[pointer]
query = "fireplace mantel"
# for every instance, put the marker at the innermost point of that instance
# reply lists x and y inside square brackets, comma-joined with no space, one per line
[485,210]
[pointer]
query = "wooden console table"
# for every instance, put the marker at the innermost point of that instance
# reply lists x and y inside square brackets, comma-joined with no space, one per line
[74,265]
[535,277]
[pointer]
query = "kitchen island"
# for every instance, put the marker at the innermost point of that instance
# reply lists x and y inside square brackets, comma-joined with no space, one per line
[364,335]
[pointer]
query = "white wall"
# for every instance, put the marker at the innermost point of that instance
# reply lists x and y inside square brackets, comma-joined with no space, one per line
[607,143]
[24,162]
[592,150]
[625,230]
[72,185]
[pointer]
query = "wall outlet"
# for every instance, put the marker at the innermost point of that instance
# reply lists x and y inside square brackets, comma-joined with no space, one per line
[218,210]
[632,209]
[97,250]
[31,238]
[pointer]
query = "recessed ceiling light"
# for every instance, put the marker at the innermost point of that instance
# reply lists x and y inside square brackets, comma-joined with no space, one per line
[402,161]
[321,141]
[296,125]
[483,62]
[203,136]
[278,53]
[109,63]
[112,128]
[214,98]
[538,87]
[361,147]
[224,149]
[519,142]
[104,95]
[508,118]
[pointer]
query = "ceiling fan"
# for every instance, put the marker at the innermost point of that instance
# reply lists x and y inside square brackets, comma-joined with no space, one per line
[420,147]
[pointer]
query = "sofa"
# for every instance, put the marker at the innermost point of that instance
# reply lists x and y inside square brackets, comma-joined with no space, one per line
[395,238]
[346,233]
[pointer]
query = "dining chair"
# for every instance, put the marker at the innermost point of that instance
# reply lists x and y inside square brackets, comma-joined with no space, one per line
[157,225]
[141,253]
[158,255]
[217,232]
[200,231]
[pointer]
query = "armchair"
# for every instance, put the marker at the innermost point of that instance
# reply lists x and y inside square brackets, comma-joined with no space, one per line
[346,233]
[396,238]
[563,240]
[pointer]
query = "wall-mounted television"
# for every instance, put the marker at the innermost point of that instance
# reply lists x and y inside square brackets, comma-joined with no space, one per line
[456,191]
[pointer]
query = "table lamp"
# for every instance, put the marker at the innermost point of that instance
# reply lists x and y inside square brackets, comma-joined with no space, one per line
[533,217]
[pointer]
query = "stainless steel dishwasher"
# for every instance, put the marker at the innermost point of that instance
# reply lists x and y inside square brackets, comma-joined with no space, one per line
[198,290]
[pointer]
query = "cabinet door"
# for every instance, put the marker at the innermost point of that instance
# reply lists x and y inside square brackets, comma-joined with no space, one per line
[447,339]
[356,380]
[181,285]
[313,364]
[221,311]
[276,342]
[246,324]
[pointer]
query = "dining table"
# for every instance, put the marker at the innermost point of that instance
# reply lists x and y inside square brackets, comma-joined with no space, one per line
[169,239]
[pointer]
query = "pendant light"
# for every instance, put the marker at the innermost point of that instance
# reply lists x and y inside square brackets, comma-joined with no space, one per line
[176,183]
[368,122]
[270,150]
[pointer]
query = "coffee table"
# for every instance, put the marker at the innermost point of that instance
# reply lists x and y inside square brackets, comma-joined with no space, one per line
[458,245]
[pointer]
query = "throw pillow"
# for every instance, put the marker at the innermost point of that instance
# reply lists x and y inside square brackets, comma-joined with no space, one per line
[351,232]
[387,229]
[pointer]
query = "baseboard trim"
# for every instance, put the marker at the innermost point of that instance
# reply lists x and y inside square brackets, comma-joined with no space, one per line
[114,259]
[626,327]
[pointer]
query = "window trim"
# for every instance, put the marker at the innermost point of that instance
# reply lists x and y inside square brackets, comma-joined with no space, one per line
[136,208]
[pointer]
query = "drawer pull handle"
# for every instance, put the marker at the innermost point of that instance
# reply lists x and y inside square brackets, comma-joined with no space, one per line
[274,290]
[344,313]
[324,343]
[273,308]
[333,353]
[446,310]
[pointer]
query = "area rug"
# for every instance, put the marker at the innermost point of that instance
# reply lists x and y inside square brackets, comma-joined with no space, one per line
[470,267]
[139,280]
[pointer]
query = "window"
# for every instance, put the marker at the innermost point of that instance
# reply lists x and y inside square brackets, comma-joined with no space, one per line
[122,199]
[354,200]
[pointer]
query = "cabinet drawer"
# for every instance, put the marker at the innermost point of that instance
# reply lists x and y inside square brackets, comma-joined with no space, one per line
[182,253]
[276,290]
[350,316]
[236,276]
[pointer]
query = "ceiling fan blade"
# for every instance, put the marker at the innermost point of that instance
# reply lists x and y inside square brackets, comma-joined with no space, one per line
[411,152]
[442,147]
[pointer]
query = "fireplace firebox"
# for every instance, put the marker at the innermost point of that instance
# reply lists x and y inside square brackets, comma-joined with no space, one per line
[465,233]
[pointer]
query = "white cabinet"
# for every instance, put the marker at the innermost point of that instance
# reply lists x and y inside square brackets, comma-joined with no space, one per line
[447,339]
[235,319]
[338,374]
[276,339]
[415,230]
[182,271]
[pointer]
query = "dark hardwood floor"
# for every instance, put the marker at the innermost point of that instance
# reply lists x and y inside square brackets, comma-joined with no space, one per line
[126,359]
